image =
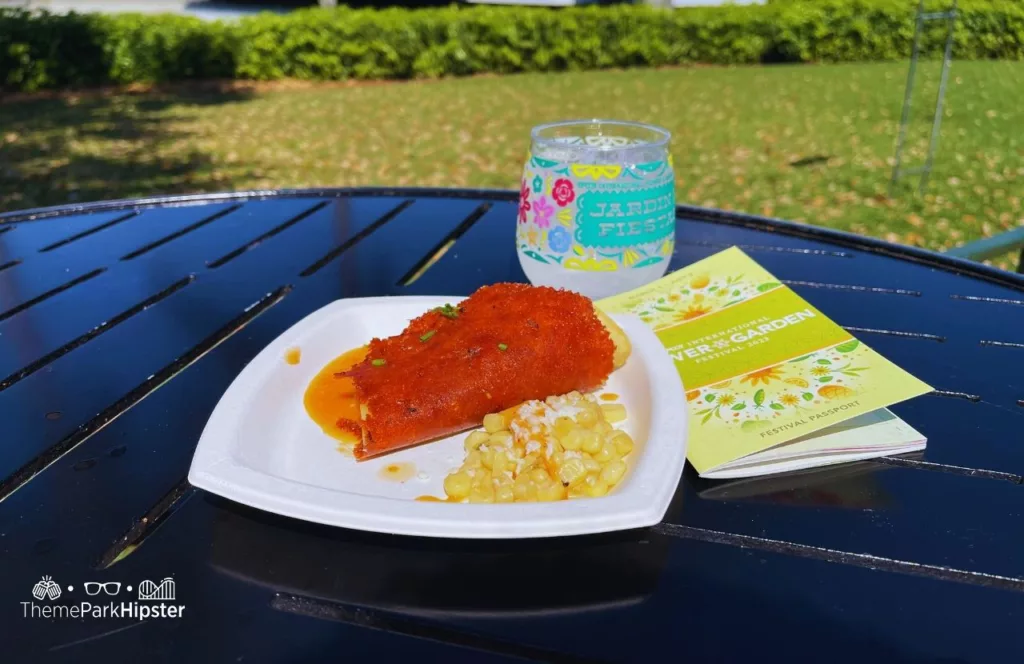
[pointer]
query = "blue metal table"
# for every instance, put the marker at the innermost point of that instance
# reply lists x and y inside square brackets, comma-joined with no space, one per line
[122,323]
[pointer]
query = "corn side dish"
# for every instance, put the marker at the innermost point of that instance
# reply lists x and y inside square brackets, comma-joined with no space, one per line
[563,447]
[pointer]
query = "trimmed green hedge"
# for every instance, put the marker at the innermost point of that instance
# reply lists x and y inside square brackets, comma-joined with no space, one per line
[50,51]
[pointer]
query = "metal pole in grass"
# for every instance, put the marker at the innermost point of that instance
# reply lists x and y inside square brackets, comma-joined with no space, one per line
[907,98]
[897,170]
[941,97]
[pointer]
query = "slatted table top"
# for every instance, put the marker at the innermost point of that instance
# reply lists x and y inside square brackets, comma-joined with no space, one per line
[122,323]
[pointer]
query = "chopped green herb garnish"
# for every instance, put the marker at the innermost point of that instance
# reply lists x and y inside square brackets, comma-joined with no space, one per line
[448,311]
[379,362]
[424,337]
[503,347]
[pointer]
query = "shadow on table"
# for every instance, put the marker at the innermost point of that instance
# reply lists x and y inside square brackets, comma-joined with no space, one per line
[851,485]
[665,592]
[436,577]
[94,146]
[418,575]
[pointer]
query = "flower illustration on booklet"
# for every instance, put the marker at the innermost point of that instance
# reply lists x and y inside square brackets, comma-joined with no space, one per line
[772,383]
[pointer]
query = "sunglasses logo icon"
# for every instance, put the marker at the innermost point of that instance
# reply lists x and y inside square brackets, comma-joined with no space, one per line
[110,587]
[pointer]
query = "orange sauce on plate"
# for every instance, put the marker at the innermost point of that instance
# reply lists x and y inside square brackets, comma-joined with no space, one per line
[293,355]
[435,499]
[330,398]
[397,472]
[609,396]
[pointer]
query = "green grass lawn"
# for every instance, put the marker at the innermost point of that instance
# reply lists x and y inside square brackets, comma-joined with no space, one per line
[807,143]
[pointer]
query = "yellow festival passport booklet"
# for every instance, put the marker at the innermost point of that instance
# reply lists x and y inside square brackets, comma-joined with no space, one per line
[771,383]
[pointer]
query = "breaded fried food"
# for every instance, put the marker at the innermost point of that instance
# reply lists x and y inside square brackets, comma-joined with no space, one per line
[505,344]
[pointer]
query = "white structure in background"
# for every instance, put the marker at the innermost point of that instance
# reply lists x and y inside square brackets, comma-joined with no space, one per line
[213,9]
[537,3]
[711,3]
[658,3]
[201,8]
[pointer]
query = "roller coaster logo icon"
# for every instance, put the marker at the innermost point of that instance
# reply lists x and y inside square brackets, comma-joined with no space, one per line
[163,591]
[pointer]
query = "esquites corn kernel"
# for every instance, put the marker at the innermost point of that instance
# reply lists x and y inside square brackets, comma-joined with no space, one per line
[563,447]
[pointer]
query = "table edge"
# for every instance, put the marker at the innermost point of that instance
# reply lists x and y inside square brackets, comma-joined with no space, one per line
[935,259]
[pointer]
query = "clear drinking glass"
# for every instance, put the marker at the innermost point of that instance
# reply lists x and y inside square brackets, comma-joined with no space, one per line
[596,206]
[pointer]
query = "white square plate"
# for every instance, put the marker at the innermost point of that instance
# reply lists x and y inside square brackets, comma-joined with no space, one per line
[260,447]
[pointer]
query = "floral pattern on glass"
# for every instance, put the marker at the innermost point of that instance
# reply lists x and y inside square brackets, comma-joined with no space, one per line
[559,240]
[563,192]
[524,202]
[542,211]
[551,194]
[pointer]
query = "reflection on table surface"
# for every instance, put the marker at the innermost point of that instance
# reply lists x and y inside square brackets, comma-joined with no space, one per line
[472,578]
[846,485]
[499,578]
